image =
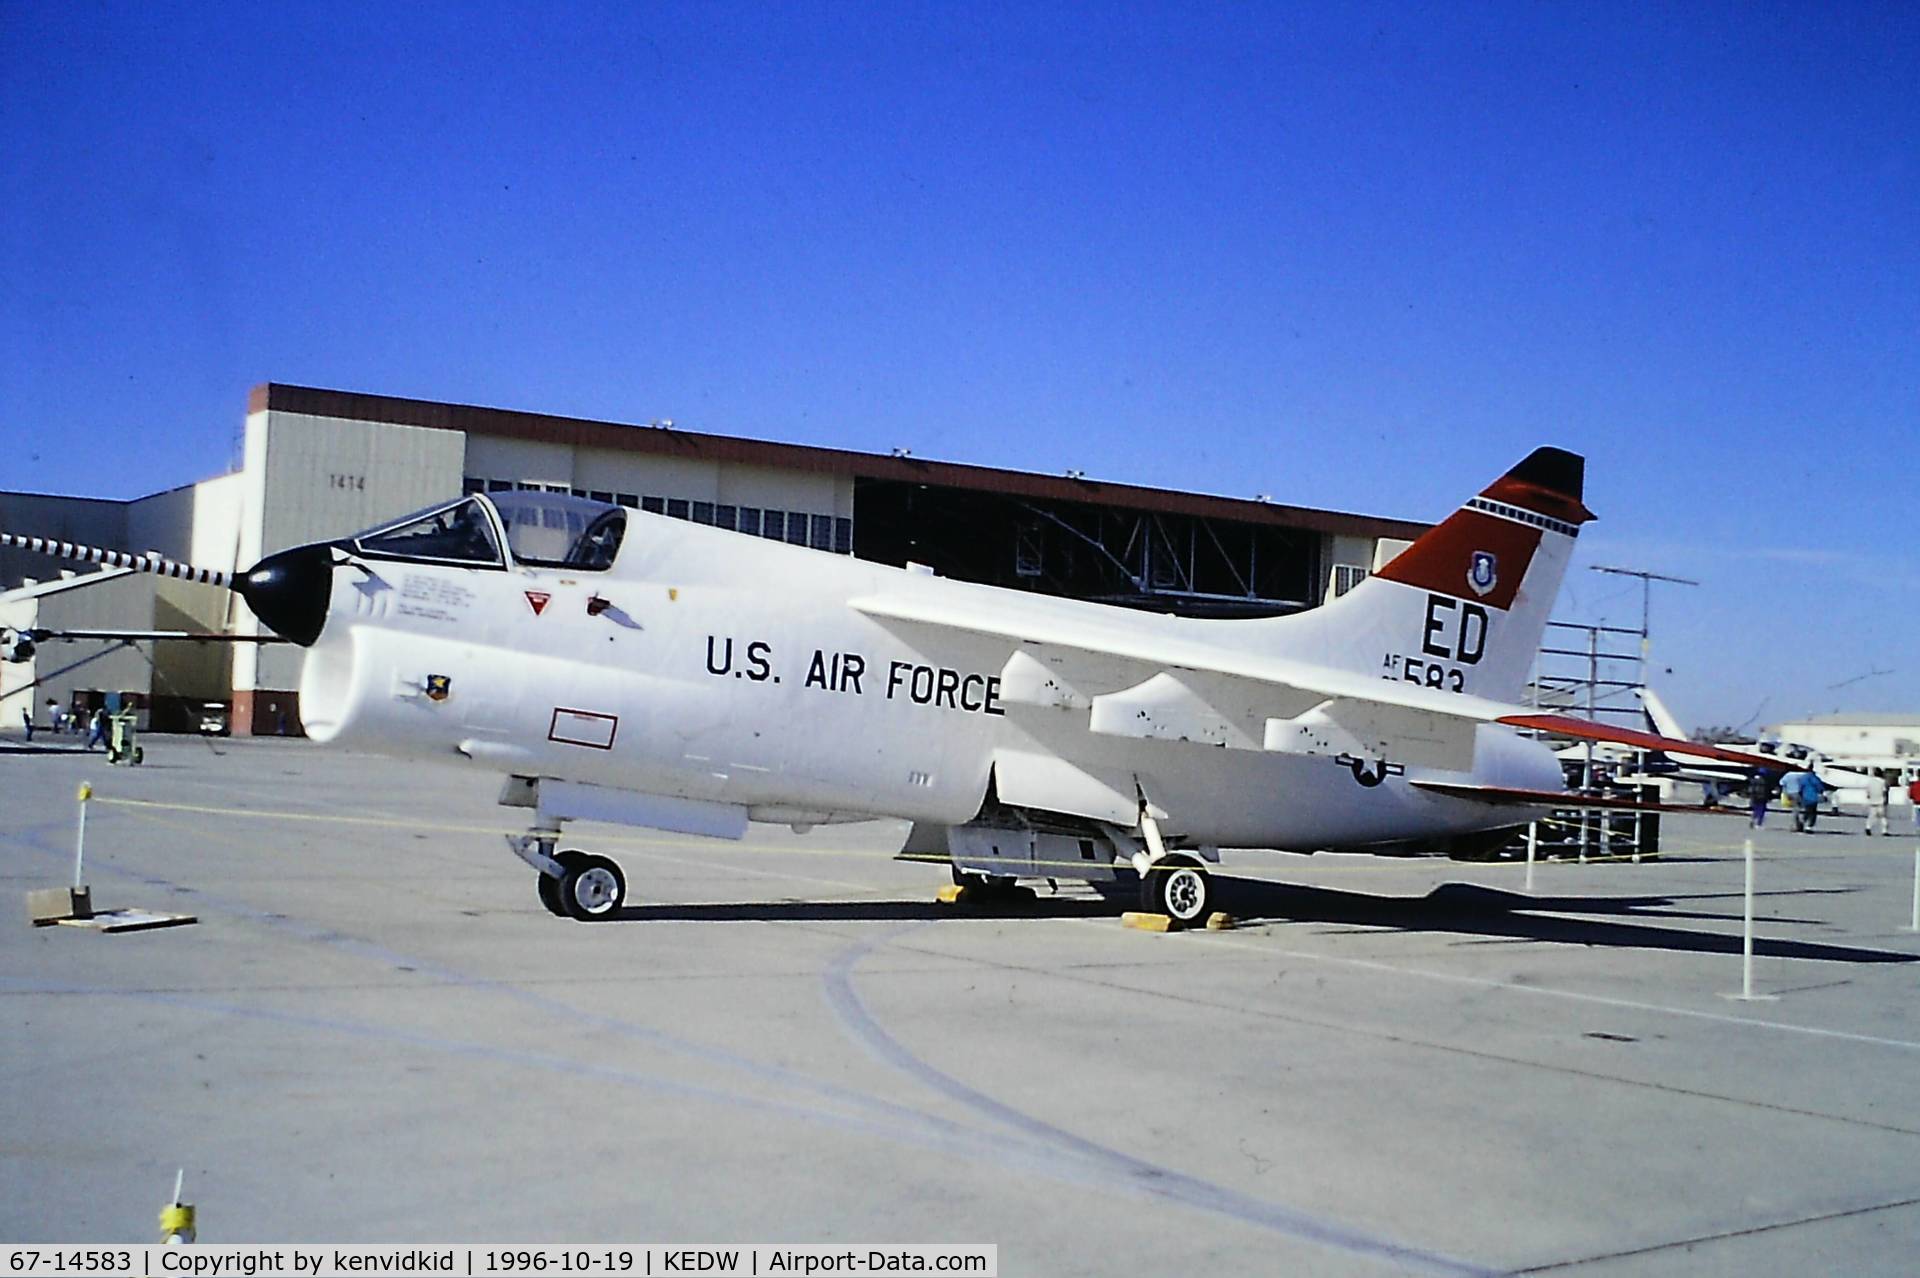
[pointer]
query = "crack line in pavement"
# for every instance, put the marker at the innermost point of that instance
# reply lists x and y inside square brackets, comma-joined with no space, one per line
[1722,1236]
[1129,1171]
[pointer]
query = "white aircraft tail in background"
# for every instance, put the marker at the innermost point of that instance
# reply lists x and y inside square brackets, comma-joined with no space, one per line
[1660,718]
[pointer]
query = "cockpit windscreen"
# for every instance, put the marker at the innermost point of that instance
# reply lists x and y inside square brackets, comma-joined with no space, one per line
[457,533]
[548,530]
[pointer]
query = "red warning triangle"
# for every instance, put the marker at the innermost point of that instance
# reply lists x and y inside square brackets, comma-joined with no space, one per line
[537,600]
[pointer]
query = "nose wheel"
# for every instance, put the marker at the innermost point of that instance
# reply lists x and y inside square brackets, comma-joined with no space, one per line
[587,888]
[593,890]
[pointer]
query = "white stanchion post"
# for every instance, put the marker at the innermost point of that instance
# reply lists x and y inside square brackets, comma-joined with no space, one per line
[1746,994]
[1533,845]
[80,839]
[1746,933]
[1915,925]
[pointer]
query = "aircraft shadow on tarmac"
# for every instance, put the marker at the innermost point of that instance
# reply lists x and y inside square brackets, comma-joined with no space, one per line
[1454,908]
[1489,913]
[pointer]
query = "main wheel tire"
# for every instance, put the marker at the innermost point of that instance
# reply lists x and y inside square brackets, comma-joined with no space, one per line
[549,887]
[592,888]
[1178,888]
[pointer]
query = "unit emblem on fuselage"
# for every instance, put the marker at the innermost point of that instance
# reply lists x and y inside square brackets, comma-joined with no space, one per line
[1483,572]
[439,687]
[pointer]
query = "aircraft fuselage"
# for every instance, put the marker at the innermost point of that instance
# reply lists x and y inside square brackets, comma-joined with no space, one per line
[709,666]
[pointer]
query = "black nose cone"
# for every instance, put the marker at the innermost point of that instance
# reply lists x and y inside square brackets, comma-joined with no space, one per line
[289,591]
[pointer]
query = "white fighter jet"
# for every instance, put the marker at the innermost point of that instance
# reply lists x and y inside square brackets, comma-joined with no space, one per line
[620,666]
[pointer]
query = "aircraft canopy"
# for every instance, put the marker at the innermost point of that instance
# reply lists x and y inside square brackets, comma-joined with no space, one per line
[549,530]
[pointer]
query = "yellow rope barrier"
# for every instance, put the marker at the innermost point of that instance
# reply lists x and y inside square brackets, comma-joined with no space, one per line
[1067,869]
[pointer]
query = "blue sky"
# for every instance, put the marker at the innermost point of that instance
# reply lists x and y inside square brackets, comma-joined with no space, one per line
[1355,257]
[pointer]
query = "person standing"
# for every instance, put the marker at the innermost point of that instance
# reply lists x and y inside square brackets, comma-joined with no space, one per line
[1803,790]
[1790,793]
[1877,803]
[100,723]
[1759,792]
[1812,788]
[26,717]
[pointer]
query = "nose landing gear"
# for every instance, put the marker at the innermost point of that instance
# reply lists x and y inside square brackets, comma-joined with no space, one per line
[572,884]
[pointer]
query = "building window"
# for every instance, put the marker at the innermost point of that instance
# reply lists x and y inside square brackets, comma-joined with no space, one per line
[1163,561]
[1029,551]
[565,488]
[499,485]
[528,486]
[823,532]
[1346,577]
[843,536]
[600,496]
[796,529]
[658,505]
[723,516]
[677,508]
[627,499]
[749,520]
[773,524]
[472,485]
[703,512]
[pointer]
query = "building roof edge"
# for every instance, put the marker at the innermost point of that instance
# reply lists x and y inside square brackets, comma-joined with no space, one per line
[545,427]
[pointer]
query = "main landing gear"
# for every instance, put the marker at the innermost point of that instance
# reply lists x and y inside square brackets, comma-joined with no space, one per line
[1177,886]
[572,884]
[1171,883]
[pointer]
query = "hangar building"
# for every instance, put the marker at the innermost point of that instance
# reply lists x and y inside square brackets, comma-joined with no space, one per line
[318,464]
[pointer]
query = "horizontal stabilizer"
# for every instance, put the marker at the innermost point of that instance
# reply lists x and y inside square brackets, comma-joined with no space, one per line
[1508,796]
[1563,725]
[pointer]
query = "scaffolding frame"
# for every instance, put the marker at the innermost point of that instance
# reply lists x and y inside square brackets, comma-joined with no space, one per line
[1600,682]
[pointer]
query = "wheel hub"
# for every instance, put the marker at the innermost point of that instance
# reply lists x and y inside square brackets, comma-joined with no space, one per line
[1184,894]
[595,890]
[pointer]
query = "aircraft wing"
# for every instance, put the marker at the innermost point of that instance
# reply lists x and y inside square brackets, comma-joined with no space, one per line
[1355,713]
[1181,655]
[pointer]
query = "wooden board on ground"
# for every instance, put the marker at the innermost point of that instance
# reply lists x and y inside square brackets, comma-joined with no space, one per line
[129,920]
